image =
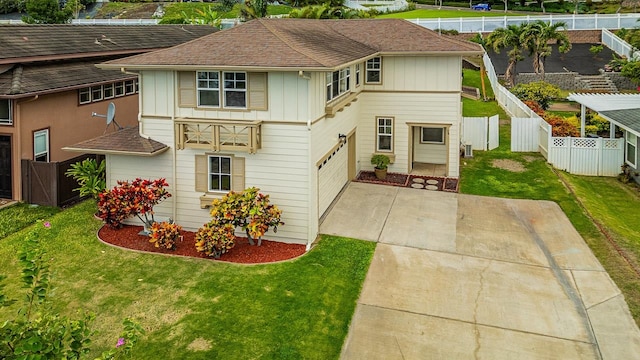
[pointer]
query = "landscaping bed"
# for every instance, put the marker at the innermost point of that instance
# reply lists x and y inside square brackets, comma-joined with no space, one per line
[404,180]
[270,251]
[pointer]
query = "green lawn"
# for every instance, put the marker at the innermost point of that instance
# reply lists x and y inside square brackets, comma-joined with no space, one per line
[199,309]
[609,202]
[21,215]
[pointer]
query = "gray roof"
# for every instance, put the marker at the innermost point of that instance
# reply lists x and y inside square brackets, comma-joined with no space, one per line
[22,43]
[302,44]
[628,119]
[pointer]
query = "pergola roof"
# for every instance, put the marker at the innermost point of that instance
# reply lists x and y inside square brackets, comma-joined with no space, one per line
[620,109]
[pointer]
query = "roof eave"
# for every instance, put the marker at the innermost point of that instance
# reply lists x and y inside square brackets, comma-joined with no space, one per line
[114,152]
[62,89]
[74,56]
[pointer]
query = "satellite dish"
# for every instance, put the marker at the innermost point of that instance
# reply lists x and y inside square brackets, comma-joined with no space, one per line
[111,113]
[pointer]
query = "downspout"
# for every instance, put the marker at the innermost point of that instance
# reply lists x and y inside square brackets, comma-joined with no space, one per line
[302,75]
[174,151]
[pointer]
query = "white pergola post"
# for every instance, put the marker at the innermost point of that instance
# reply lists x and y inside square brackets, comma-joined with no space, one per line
[583,119]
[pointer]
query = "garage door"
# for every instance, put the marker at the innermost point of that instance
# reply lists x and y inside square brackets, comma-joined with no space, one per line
[332,176]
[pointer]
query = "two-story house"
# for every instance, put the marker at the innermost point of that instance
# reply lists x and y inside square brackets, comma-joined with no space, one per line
[49,89]
[294,107]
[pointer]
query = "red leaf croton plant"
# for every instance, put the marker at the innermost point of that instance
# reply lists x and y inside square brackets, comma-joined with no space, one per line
[132,198]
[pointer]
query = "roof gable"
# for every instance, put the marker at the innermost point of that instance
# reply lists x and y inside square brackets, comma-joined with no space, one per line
[301,43]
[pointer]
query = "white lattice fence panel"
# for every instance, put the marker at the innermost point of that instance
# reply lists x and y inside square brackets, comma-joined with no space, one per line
[524,134]
[612,157]
[560,153]
[585,156]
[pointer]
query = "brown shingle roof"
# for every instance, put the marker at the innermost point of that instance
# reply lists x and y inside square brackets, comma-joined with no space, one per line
[30,42]
[31,79]
[123,142]
[301,43]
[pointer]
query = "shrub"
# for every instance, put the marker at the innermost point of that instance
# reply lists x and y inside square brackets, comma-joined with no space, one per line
[215,240]
[128,199]
[560,126]
[165,234]
[539,91]
[90,176]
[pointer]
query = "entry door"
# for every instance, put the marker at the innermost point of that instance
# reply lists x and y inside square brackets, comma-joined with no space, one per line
[5,167]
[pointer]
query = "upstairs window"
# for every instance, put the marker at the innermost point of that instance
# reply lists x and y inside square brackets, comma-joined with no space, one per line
[357,75]
[235,89]
[107,91]
[209,88]
[374,70]
[6,117]
[338,83]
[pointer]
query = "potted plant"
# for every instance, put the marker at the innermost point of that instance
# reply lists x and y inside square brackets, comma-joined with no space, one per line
[381,162]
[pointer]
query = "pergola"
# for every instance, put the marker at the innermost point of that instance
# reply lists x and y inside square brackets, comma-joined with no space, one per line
[622,110]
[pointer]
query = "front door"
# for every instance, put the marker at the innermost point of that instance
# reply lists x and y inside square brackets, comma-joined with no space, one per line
[5,167]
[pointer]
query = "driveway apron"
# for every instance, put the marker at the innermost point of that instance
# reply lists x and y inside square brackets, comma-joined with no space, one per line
[468,277]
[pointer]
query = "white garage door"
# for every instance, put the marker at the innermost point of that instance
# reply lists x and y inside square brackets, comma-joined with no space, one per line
[332,175]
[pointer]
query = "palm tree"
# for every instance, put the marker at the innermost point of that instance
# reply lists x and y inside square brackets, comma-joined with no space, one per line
[536,38]
[507,38]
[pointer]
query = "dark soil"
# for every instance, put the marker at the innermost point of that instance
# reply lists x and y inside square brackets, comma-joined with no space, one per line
[270,251]
[395,179]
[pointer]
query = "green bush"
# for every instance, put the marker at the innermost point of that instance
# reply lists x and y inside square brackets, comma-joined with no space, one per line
[539,91]
[90,176]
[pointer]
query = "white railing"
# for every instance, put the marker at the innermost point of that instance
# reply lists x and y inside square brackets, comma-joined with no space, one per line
[621,47]
[573,21]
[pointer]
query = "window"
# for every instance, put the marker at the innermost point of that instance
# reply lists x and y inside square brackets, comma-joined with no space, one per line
[384,135]
[108,91]
[338,83]
[432,135]
[219,173]
[96,93]
[374,67]
[130,87]
[119,89]
[235,89]
[209,88]
[85,95]
[41,145]
[632,140]
[357,75]
[5,112]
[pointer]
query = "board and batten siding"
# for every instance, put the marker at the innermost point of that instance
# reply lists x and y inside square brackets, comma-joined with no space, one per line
[420,73]
[157,92]
[427,108]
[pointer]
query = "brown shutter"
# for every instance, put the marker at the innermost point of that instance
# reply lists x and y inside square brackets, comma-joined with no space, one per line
[202,182]
[258,91]
[237,178]
[187,89]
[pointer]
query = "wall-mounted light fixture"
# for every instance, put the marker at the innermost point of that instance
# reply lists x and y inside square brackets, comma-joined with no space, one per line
[342,137]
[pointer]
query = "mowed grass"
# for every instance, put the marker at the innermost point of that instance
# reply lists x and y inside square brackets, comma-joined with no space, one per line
[198,309]
[609,203]
[19,216]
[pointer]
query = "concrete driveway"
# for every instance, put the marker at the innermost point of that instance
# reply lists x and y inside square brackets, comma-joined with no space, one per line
[468,277]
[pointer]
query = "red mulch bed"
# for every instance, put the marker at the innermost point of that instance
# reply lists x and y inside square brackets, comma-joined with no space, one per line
[396,179]
[243,253]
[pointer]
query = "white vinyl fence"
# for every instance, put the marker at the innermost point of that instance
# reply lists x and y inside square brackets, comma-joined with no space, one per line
[481,132]
[619,46]
[580,156]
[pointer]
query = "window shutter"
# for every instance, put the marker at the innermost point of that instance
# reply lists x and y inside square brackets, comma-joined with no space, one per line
[187,89]
[237,178]
[258,91]
[202,183]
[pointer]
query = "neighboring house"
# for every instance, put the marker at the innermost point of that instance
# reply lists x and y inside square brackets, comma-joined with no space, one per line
[294,107]
[49,88]
[623,111]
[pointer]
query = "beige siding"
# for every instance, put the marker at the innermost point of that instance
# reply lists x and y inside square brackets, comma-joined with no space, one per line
[412,73]
[428,153]
[428,108]
[317,95]
[156,89]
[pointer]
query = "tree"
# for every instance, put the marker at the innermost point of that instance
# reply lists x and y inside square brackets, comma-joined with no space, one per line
[253,9]
[631,70]
[207,16]
[536,37]
[327,11]
[508,38]
[46,12]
